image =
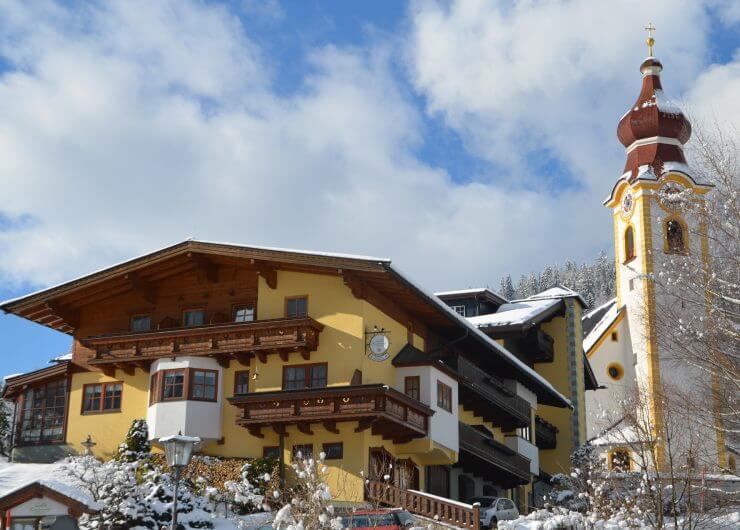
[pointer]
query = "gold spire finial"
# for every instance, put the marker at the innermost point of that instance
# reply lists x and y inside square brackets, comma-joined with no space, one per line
[650,40]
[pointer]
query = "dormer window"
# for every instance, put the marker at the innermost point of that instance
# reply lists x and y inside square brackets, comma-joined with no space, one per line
[459,309]
[675,242]
[629,244]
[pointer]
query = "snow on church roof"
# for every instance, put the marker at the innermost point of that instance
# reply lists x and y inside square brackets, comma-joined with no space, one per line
[603,325]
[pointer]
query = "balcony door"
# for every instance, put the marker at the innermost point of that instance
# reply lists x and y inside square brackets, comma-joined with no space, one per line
[438,481]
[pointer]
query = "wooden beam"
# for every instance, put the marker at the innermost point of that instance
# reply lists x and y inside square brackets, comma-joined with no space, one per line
[262,356]
[110,371]
[284,355]
[224,361]
[365,424]
[267,271]
[207,270]
[144,365]
[279,428]
[145,288]
[305,428]
[256,432]
[69,315]
[306,354]
[243,358]
[331,426]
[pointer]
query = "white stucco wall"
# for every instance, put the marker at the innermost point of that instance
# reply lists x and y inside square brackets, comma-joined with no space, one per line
[526,449]
[443,425]
[191,418]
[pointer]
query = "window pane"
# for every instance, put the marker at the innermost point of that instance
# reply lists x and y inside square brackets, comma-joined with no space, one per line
[243,314]
[141,323]
[241,385]
[305,450]
[173,385]
[411,385]
[318,376]
[112,399]
[194,317]
[92,397]
[334,451]
[295,378]
[297,307]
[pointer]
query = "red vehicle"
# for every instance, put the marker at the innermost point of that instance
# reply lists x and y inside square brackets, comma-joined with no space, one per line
[390,519]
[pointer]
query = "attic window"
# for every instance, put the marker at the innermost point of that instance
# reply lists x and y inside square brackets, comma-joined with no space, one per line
[674,237]
[459,309]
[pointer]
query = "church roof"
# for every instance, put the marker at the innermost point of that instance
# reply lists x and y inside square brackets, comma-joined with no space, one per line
[607,315]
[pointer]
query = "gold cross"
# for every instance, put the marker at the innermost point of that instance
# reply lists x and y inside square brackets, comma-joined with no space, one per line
[650,40]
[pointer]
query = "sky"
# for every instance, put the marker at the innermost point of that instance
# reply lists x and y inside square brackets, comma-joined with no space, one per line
[464,140]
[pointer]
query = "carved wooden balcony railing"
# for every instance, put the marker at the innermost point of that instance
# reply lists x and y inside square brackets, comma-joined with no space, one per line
[388,412]
[443,510]
[222,341]
[482,455]
[488,397]
[546,434]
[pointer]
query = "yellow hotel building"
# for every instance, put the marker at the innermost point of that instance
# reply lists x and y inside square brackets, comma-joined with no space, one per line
[266,351]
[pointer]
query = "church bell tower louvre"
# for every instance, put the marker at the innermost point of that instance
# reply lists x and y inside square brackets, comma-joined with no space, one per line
[648,231]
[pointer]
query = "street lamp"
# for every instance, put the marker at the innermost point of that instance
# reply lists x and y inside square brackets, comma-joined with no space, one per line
[178,449]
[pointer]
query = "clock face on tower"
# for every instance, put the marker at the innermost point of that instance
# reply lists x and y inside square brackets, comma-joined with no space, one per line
[628,202]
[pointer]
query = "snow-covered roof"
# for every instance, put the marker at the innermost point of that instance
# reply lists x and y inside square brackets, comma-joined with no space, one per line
[62,358]
[472,291]
[16,476]
[603,325]
[617,435]
[557,292]
[515,313]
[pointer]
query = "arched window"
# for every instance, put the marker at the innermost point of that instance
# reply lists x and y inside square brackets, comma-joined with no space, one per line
[629,244]
[674,237]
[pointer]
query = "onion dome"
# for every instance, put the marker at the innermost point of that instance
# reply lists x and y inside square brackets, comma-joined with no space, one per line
[654,130]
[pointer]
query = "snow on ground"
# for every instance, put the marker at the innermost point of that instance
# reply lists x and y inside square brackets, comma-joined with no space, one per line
[17,476]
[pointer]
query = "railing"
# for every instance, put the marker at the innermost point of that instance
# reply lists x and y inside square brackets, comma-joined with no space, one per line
[261,336]
[546,434]
[488,449]
[390,412]
[494,390]
[437,508]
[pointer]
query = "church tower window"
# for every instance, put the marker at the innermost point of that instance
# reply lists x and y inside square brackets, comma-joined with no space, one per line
[629,244]
[675,242]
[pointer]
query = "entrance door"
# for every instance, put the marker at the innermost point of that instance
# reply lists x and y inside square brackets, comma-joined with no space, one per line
[465,488]
[438,482]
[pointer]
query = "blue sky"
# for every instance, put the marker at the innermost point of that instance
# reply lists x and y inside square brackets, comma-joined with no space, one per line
[464,140]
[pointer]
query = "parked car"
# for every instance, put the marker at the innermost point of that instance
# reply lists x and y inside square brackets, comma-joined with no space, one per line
[495,509]
[381,519]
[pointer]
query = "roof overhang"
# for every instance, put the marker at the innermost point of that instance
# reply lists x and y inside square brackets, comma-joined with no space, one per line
[15,385]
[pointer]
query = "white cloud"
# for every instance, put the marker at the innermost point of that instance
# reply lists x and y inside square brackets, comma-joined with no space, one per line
[136,124]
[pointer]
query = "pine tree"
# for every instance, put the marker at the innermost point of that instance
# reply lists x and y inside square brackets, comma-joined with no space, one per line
[547,278]
[158,491]
[507,288]
[136,447]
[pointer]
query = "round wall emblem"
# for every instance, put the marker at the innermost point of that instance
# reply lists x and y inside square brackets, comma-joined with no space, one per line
[628,203]
[378,346]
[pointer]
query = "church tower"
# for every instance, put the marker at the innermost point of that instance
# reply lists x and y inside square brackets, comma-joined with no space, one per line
[647,233]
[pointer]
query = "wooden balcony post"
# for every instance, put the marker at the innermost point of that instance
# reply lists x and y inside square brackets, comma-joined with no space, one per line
[476,516]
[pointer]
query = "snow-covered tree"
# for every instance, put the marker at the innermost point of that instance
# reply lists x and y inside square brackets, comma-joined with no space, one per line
[5,426]
[136,447]
[308,501]
[157,492]
[247,495]
[507,288]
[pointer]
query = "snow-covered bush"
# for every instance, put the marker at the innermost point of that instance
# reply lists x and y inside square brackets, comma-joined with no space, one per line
[136,447]
[307,503]
[247,495]
[157,492]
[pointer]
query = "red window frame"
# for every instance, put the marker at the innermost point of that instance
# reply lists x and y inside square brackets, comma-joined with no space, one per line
[99,401]
[238,385]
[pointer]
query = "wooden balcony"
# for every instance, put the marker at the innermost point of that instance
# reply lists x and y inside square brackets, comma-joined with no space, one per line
[388,412]
[443,510]
[546,434]
[487,396]
[223,341]
[483,456]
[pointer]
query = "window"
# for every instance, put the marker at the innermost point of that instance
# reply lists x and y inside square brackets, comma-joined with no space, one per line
[241,382]
[141,323]
[193,317]
[632,284]
[296,306]
[459,309]
[153,388]
[203,385]
[271,451]
[524,432]
[411,387]
[304,451]
[102,397]
[629,244]
[334,451]
[615,371]
[304,376]
[615,336]
[42,413]
[173,384]
[243,313]
[674,237]
[619,459]
[444,396]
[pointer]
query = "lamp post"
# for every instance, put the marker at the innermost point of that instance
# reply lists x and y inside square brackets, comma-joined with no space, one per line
[178,449]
